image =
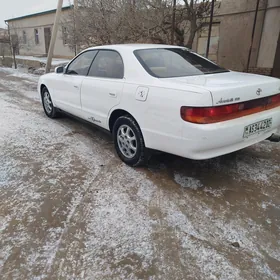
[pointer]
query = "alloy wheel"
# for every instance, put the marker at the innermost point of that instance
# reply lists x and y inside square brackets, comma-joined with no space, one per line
[47,102]
[127,141]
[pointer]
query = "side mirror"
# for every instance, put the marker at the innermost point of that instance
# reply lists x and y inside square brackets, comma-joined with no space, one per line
[59,69]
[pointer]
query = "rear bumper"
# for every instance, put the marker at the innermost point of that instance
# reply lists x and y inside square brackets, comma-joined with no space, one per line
[211,140]
[206,152]
[208,141]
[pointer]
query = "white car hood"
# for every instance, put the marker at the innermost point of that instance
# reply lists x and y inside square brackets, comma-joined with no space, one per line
[233,87]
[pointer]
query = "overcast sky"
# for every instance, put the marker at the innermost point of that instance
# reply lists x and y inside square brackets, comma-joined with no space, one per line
[17,8]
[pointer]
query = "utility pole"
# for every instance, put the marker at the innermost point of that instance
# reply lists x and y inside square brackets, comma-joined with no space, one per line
[54,35]
[253,34]
[173,22]
[210,28]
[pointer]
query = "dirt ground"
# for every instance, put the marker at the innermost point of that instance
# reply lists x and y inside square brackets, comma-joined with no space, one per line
[70,209]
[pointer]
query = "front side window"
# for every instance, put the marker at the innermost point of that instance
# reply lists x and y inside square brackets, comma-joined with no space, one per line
[107,64]
[80,65]
[175,62]
[24,37]
[36,35]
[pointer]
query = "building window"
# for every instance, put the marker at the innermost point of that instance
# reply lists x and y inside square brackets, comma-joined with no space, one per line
[65,35]
[24,41]
[36,35]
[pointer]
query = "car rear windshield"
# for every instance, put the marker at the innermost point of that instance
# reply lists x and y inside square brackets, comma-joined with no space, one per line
[175,62]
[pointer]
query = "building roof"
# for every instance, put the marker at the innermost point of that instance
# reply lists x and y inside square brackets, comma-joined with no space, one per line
[38,14]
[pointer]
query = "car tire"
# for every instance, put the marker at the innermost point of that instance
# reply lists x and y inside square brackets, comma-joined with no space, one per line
[48,106]
[129,141]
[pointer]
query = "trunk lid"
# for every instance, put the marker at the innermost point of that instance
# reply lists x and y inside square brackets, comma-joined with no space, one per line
[233,87]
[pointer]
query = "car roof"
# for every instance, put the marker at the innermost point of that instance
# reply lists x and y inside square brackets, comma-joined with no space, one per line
[133,47]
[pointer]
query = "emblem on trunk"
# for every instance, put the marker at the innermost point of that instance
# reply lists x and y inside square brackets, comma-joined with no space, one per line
[259,91]
[231,99]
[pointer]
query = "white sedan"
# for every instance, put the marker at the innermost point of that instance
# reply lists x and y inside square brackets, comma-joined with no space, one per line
[164,98]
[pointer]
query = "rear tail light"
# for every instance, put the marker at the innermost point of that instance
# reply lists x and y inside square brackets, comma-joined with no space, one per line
[274,101]
[204,115]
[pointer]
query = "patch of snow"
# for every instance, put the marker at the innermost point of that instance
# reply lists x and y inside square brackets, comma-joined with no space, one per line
[180,221]
[55,61]
[264,269]
[260,171]
[264,205]
[215,192]
[187,182]
[209,261]
[19,73]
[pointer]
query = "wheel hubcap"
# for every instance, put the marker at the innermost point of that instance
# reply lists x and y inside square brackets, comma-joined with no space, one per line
[47,102]
[127,141]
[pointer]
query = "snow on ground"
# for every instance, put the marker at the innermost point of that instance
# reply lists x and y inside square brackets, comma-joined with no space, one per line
[55,61]
[20,73]
[187,182]
[69,209]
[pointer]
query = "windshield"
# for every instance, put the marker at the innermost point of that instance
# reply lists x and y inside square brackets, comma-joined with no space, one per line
[175,62]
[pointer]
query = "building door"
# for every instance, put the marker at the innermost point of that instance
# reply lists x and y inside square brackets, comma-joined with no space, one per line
[276,65]
[48,34]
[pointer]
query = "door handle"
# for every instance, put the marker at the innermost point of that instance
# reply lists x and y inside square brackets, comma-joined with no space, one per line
[76,87]
[113,94]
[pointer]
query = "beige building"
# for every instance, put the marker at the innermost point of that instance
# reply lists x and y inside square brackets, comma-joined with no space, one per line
[33,33]
[232,34]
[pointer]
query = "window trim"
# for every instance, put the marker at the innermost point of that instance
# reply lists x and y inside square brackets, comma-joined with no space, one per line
[77,56]
[96,77]
[24,38]
[97,51]
[36,36]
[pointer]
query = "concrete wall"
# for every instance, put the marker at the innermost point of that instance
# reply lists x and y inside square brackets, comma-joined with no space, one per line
[270,33]
[235,40]
[236,25]
[202,38]
[38,22]
[236,20]
[239,6]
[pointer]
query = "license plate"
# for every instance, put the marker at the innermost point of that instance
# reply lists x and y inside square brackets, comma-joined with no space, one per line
[257,127]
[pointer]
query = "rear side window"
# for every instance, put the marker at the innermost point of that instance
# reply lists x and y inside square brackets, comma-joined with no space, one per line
[107,64]
[175,62]
[80,65]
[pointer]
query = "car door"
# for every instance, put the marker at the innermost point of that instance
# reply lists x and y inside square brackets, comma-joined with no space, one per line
[68,85]
[101,89]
